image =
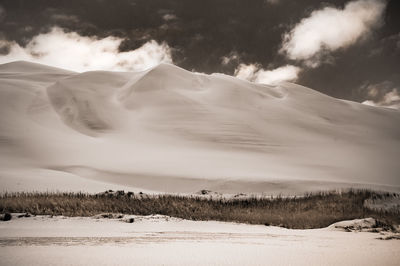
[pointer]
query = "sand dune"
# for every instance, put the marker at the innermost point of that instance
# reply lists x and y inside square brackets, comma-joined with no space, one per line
[170,130]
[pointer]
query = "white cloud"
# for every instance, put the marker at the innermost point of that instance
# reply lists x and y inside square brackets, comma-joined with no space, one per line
[225,60]
[384,94]
[246,72]
[168,17]
[330,29]
[391,100]
[253,73]
[78,53]
[285,73]
[325,30]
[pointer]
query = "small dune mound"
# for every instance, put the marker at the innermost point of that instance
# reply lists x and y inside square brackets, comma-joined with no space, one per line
[363,225]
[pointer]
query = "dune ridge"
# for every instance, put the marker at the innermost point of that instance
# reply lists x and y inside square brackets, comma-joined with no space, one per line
[169,130]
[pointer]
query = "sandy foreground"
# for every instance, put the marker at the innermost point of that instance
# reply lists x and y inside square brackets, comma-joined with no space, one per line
[161,240]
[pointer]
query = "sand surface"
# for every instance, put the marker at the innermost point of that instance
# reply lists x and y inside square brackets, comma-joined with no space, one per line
[169,130]
[160,240]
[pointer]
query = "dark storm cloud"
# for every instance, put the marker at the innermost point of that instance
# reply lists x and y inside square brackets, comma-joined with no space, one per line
[218,35]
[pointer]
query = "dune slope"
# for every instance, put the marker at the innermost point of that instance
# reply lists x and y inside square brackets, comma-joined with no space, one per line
[170,130]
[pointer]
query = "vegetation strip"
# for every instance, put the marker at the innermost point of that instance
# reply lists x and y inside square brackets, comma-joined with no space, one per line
[315,210]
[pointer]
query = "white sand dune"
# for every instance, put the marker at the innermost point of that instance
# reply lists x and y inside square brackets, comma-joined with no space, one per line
[160,240]
[170,130]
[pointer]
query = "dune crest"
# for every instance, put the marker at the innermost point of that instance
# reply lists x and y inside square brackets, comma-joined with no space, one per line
[202,131]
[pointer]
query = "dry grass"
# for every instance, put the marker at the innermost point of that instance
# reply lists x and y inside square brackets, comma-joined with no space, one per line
[310,211]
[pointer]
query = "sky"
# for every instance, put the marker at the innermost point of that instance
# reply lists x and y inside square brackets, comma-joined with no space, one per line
[346,49]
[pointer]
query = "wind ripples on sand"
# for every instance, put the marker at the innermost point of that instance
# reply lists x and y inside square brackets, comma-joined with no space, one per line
[146,238]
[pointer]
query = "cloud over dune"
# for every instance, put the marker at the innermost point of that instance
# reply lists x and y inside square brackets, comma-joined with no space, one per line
[311,40]
[253,73]
[389,100]
[384,94]
[79,53]
[330,29]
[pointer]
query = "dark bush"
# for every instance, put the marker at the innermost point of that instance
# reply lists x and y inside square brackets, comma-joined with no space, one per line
[6,217]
